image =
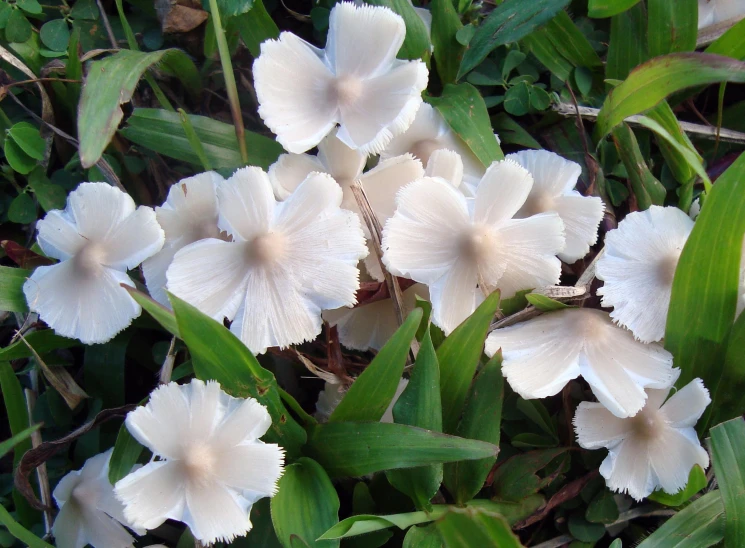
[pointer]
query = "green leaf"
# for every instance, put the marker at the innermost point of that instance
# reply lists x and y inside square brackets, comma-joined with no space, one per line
[256,26]
[538,414]
[517,479]
[110,83]
[42,341]
[162,132]
[20,532]
[6,446]
[696,481]
[628,42]
[17,29]
[727,402]
[126,452]
[672,26]
[354,449]
[728,457]
[509,22]
[372,392]
[653,81]
[647,189]
[546,304]
[422,537]
[305,505]
[416,43]
[231,8]
[12,298]
[465,112]
[585,531]
[482,420]
[476,527]
[18,160]
[159,312]
[569,41]
[49,195]
[459,356]
[705,288]
[27,137]
[608,8]
[420,405]
[517,100]
[731,43]
[22,209]
[29,6]
[448,50]
[513,133]
[219,355]
[55,34]
[699,525]
[5,11]
[603,508]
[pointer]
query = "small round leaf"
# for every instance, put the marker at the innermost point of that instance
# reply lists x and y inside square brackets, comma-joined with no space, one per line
[28,138]
[18,29]
[29,6]
[20,161]
[55,34]
[22,210]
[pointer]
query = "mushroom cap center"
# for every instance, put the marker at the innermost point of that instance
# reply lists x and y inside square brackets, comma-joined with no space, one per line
[266,249]
[538,202]
[423,149]
[666,268]
[647,424]
[591,326]
[477,242]
[199,463]
[346,90]
[89,260]
[203,229]
[84,495]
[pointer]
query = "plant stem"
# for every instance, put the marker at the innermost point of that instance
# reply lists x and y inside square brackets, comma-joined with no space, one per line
[227,69]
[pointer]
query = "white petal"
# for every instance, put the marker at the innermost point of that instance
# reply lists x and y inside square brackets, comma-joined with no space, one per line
[527,250]
[92,308]
[292,85]
[383,182]
[686,406]
[552,174]
[58,236]
[363,40]
[162,424]
[290,170]
[597,427]
[63,490]
[426,16]
[101,531]
[342,163]
[502,192]
[328,400]
[455,296]
[216,513]
[134,239]
[638,267]
[253,466]
[98,209]
[421,240]
[627,469]
[246,203]
[247,420]
[447,165]
[190,211]
[581,216]
[540,356]
[154,269]
[672,455]
[210,274]
[207,406]
[386,107]
[68,528]
[153,494]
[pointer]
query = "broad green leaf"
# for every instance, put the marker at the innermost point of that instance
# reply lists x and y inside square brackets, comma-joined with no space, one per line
[603,508]
[727,402]
[231,8]
[159,312]
[27,137]
[49,195]
[465,112]
[219,355]
[422,537]
[585,531]
[42,341]
[420,405]
[654,80]
[647,189]
[608,8]
[55,34]
[538,415]
[12,298]
[448,51]
[163,132]
[673,26]
[361,524]
[728,458]
[628,42]
[126,452]
[482,420]
[22,209]
[570,42]
[103,370]
[696,481]
[6,446]
[699,525]
[510,21]
[20,532]
[511,132]
[547,304]
[29,6]
[517,99]
[305,505]
[110,83]
[731,43]
[516,478]
[256,26]
[540,45]
[476,527]
[18,160]
[705,288]
[416,43]
[354,449]
[372,392]
[17,29]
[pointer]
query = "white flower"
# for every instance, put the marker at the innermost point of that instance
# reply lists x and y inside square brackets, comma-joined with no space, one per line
[286,263]
[89,512]
[464,248]
[356,81]
[97,238]
[543,354]
[188,215]
[330,397]
[711,12]
[211,464]
[430,132]
[638,268]
[373,324]
[553,190]
[656,448]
